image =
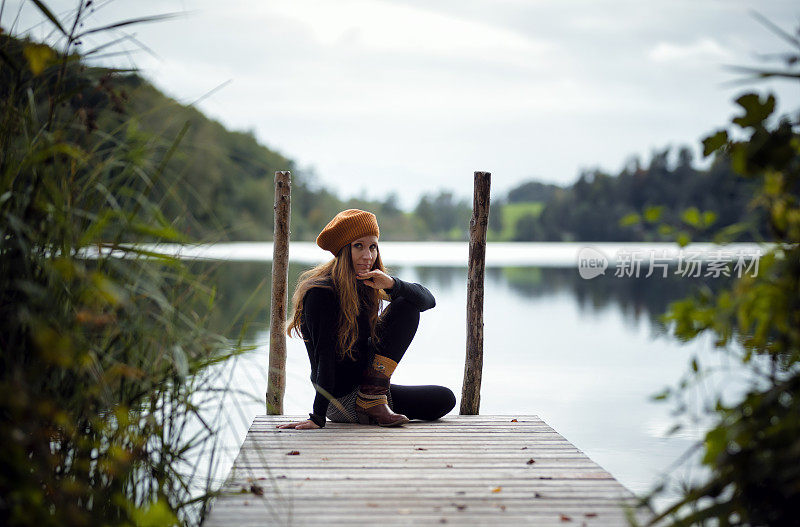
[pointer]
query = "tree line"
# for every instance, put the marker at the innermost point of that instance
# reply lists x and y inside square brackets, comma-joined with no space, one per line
[224,179]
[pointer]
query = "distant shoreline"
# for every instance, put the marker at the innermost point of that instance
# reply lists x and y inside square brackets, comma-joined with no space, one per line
[455,254]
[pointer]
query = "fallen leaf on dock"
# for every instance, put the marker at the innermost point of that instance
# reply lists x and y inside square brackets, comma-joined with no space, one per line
[514,421]
[565,518]
[497,489]
[257,490]
[591,515]
[420,448]
[293,453]
[524,448]
[531,461]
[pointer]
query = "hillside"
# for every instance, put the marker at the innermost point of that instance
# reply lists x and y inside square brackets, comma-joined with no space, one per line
[216,184]
[212,184]
[225,179]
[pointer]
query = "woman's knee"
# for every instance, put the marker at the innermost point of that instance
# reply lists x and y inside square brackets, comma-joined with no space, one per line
[448,401]
[402,312]
[441,400]
[427,402]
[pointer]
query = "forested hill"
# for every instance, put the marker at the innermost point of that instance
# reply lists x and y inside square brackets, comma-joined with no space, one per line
[660,202]
[217,184]
[229,177]
[225,178]
[222,178]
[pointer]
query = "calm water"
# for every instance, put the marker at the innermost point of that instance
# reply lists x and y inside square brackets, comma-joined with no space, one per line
[585,355]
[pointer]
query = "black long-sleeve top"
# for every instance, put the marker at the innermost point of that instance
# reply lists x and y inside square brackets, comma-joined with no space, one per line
[331,374]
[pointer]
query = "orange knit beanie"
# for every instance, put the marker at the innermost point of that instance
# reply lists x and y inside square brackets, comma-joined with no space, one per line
[345,227]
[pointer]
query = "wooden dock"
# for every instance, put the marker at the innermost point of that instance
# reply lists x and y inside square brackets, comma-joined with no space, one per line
[461,470]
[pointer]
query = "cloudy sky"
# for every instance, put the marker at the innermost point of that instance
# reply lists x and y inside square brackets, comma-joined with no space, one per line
[412,96]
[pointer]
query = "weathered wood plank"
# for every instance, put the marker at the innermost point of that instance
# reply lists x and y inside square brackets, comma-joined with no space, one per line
[465,470]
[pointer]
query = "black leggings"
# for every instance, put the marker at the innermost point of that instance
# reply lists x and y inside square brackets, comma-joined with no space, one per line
[422,402]
[396,330]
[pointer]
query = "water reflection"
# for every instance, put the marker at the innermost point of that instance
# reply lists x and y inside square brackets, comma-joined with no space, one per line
[633,297]
[242,293]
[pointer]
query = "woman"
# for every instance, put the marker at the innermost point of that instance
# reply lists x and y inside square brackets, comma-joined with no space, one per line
[353,347]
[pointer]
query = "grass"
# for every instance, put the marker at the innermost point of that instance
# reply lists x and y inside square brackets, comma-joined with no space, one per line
[512,212]
[103,362]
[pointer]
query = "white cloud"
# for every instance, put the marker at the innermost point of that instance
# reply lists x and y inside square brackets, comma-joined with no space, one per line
[701,50]
[383,27]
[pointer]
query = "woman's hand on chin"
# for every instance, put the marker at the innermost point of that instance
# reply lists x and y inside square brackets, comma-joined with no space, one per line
[308,424]
[376,279]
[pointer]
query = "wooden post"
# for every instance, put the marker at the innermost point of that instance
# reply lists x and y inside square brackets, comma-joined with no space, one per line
[473,366]
[276,385]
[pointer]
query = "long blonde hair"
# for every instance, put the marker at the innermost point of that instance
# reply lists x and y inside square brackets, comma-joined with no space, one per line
[339,275]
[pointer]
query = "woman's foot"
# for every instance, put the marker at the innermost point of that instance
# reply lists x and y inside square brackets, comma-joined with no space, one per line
[373,408]
[372,404]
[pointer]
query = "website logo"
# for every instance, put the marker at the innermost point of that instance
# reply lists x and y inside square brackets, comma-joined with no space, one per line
[591,263]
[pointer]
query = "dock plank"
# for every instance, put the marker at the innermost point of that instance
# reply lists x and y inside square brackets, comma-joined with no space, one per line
[462,470]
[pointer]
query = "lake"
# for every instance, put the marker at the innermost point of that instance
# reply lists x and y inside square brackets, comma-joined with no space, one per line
[586,355]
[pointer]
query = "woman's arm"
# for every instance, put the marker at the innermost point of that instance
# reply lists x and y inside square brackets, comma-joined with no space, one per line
[417,294]
[321,313]
[308,424]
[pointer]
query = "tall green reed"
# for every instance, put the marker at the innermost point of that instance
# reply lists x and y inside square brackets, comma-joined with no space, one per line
[100,358]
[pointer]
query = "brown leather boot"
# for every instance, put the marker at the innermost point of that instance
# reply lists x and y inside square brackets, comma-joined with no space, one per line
[372,404]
